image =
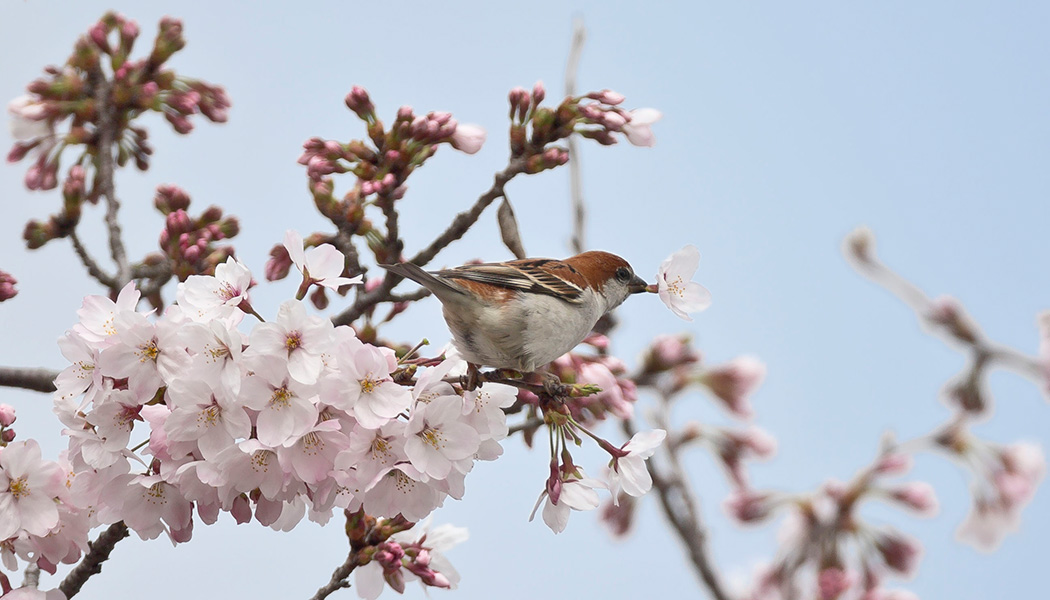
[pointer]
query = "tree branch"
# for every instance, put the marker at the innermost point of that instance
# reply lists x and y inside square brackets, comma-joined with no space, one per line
[680,507]
[37,380]
[91,564]
[107,127]
[460,224]
[90,263]
[339,578]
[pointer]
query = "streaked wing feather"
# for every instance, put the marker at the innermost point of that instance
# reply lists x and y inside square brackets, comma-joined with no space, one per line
[528,275]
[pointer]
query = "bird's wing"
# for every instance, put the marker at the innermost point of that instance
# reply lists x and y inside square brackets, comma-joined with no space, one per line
[537,276]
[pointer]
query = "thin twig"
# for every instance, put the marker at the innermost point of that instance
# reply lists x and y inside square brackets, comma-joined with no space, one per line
[107,138]
[90,263]
[97,554]
[460,224]
[579,211]
[37,380]
[339,578]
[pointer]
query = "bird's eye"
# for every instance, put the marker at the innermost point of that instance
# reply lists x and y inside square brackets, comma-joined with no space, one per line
[623,274]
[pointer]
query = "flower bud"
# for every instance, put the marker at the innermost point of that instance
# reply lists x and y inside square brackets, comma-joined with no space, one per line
[7,291]
[359,102]
[733,383]
[860,244]
[918,496]
[7,412]
[538,93]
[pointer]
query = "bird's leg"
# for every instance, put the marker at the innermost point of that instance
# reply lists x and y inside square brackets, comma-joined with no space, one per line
[553,386]
[473,378]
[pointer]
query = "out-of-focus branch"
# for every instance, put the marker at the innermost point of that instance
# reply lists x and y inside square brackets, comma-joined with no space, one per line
[680,506]
[947,317]
[460,224]
[97,554]
[37,380]
[579,36]
[339,578]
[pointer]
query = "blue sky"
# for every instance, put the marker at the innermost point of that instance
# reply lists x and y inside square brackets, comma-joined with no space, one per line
[785,126]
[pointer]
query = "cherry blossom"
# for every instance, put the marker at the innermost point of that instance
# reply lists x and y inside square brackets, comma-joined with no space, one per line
[322,264]
[639,129]
[97,315]
[207,297]
[436,436]
[468,138]
[363,386]
[294,341]
[577,492]
[28,488]
[676,290]
[628,473]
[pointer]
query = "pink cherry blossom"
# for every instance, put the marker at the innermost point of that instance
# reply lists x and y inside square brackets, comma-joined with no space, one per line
[28,487]
[400,489]
[436,436]
[322,264]
[83,373]
[629,473]
[97,315]
[204,416]
[295,340]
[286,408]
[372,450]
[310,459]
[207,297]
[676,290]
[468,138]
[639,129]
[363,386]
[27,119]
[577,493]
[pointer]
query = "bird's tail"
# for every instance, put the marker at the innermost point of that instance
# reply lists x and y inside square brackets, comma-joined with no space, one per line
[416,273]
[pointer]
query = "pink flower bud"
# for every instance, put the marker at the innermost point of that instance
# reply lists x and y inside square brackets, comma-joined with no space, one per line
[618,516]
[918,496]
[359,102]
[833,582]
[7,413]
[893,463]
[538,93]
[613,121]
[749,506]
[607,97]
[900,553]
[97,33]
[7,291]
[7,436]
[733,383]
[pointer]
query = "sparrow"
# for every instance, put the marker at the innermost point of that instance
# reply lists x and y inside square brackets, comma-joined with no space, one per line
[523,314]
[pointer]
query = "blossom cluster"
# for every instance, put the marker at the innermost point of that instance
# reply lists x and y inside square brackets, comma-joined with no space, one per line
[595,115]
[71,107]
[184,412]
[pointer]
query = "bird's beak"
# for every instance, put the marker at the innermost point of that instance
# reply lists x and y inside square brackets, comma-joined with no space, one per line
[637,285]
